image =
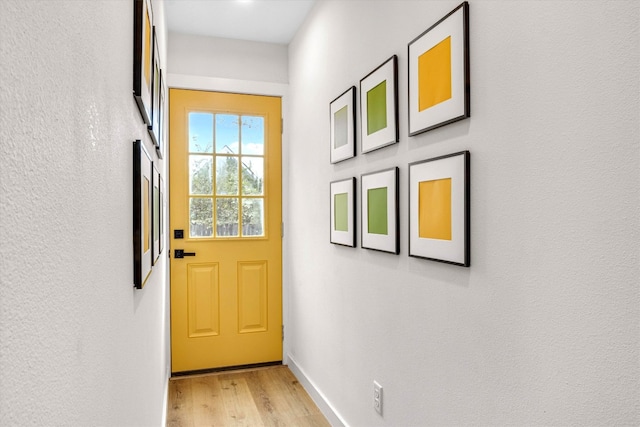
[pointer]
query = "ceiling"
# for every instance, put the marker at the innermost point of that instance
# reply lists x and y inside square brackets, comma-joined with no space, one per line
[269,21]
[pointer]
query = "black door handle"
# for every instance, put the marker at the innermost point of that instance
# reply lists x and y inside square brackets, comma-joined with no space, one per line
[180,253]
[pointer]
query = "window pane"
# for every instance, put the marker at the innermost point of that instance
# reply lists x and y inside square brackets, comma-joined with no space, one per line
[226,217]
[252,176]
[201,215]
[252,217]
[227,133]
[200,133]
[252,135]
[227,176]
[200,175]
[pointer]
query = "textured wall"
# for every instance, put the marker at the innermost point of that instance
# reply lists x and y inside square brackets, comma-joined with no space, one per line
[543,328]
[78,345]
[230,59]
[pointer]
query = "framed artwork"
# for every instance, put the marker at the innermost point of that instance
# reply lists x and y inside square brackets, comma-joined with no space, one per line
[161,218]
[162,126]
[343,218]
[379,209]
[439,209]
[143,57]
[142,214]
[439,73]
[379,106]
[343,133]
[154,127]
[155,226]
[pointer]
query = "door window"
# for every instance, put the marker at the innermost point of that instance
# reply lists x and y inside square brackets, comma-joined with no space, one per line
[226,175]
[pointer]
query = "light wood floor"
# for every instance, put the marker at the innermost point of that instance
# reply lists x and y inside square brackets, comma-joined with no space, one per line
[254,397]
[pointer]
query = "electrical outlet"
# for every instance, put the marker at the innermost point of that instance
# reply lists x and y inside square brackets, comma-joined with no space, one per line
[377,397]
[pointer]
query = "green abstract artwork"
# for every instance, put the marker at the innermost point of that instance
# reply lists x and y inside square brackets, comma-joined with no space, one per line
[377,108]
[377,211]
[341,212]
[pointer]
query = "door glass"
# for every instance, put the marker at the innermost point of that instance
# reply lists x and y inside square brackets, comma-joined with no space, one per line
[200,133]
[227,176]
[227,133]
[229,182]
[252,217]
[253,135]
[201,217]
[227,217]
[252,176]
[200,176]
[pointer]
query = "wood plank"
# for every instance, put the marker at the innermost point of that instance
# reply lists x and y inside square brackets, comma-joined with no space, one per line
[237,400]
[282,382]
[274,408]
[206,392]
[180,404]
[313,420]
[254,397]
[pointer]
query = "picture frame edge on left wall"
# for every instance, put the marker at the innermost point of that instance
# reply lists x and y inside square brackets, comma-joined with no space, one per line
[142,32]
[142,175]
[162,125]
[155,209]
[156,82]
[161,216]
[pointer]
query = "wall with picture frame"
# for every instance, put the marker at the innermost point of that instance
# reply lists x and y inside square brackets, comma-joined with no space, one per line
[96,349]
[149,88]
[444,334]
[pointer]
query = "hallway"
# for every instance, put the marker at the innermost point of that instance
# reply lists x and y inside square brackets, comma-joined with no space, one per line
[542,328]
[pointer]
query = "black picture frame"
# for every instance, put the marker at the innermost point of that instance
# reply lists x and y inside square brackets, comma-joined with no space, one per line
[143,57]
[156,115]
[439,229]
[161,216]
[387,237]
[379,85]
[156,227]
[162,125]
[438,67]
[342,121]
[142,214]
[342,223]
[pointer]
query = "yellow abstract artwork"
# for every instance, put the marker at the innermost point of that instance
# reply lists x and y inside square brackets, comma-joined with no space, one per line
[434,209]
[434,75]
[147,49]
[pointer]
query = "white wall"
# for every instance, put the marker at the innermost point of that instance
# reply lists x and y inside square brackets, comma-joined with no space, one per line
[543,328]
[78,345]
[225,58]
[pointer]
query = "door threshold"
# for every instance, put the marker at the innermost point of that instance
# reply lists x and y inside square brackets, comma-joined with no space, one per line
[226,369]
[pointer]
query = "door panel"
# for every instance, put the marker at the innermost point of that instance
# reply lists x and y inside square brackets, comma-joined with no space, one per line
[252,297]
[225,186]
[203,300]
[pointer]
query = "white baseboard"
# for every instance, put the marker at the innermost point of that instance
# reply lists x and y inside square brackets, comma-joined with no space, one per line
[165,405]
[316,395]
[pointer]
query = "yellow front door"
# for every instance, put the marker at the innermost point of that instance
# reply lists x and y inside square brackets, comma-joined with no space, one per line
[225,216]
